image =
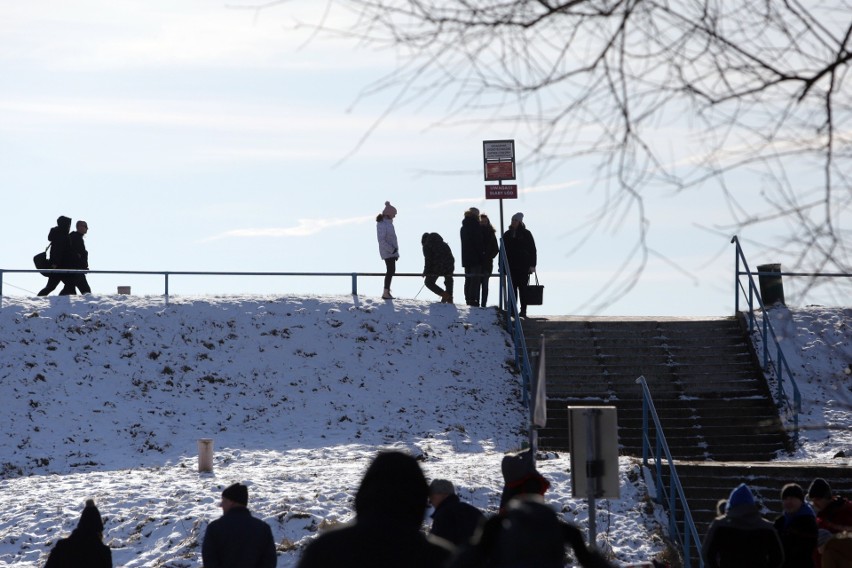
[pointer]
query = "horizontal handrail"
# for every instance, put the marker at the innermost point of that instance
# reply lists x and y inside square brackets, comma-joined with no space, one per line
[688,538]
[167,273]
[782,368]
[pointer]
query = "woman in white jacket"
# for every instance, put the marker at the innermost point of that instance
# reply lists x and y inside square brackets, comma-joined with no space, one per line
[388,247]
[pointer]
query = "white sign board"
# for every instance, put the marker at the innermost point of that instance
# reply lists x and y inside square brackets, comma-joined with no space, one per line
[499,150]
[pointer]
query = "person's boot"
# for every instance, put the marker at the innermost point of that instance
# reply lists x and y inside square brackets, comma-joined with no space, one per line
[446,298]
[386,295]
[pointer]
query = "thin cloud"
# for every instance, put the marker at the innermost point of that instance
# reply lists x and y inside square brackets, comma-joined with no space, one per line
[303,228]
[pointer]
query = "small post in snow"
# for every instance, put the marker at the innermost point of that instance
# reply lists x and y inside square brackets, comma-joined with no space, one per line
[205,455]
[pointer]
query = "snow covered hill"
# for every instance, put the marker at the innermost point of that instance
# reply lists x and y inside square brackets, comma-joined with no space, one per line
[106,397]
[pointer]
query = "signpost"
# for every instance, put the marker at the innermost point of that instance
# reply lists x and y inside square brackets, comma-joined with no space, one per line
[498,164]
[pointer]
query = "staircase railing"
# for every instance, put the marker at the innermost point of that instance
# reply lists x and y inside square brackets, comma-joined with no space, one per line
[513,325]
[767,335]
[670,496]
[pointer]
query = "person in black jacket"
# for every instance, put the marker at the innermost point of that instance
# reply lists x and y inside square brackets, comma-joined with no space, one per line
[492,249]
[60,251]
[84,547]
[742,538]
[473,255]
[236,538]
[797,527]
[78,258]
[453,519]
[522,256]
[389,509]
[438,261]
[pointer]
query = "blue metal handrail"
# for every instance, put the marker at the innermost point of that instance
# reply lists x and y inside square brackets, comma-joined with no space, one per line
[687,537]
[781,367]
[513,325]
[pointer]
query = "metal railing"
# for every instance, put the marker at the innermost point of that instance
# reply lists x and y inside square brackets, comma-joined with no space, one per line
[166,274]
[513,326]
[767,334]
[670,495]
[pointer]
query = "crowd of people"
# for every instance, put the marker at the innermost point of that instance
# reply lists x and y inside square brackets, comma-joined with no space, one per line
[814,530]
[479,248]
[67,250]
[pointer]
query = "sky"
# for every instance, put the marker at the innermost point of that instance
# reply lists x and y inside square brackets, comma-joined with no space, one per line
[106,397]
[199,136]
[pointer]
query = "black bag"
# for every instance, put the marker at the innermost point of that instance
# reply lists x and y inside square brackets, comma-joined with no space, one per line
[534,293]
[41,262]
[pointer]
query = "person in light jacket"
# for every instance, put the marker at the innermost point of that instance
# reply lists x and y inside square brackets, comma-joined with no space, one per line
[388,246]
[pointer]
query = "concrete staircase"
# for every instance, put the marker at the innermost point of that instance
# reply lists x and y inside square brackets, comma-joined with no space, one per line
[717,414]
[710,394]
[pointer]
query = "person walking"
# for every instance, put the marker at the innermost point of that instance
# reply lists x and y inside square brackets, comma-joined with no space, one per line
[492,249]
[389,507]
[60,250]
[84,547]
[237,539]
[453,519]
[796,527]
[438,261]
[388,246]
[522,257]
[78,258]
[741,538]
[473,255]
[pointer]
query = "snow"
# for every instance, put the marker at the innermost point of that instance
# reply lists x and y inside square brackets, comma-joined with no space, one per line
[107,396]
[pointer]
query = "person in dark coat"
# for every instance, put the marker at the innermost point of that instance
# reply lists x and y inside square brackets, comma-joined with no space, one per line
[522,257]
[389,508]
[520,477]
[78,258]
[236,539]
[473,255]
[527,534]
[742,538]
[453,519]
[84,547]
[60,252]
[438,261]
[833,512]
[796,527]
[492,249]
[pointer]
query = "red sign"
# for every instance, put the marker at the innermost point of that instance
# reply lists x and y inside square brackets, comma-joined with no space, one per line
[501,192]
[495,171]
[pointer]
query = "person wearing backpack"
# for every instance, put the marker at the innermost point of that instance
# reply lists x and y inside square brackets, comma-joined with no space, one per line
[60,251]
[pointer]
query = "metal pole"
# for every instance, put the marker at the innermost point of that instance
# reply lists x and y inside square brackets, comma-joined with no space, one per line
[166,274]
[354,284]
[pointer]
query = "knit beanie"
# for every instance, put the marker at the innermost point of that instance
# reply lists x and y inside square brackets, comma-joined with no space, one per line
[519,217]
[819,488]
[740,496]
[238,493]
[389,210]
[793,490]
[90,519]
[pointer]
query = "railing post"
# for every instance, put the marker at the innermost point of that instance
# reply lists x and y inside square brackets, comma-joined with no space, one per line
[1,288]
[354,283]
[166,274]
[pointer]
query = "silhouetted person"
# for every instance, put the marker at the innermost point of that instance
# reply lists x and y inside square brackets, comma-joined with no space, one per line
[60,250]
[796,527]
[520,477]
[741,538]
[527,534]
[453,519]
[84,547]
[833,514]
[492,249]
[522,256]
[472,255]
[78,258]
[389,509]
[237,539]
[438,261]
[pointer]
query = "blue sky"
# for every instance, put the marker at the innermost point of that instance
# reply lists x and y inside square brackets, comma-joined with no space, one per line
[195,136]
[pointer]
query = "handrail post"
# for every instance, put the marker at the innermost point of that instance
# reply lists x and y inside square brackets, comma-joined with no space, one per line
[354,283]
[166,274]
[1,288]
